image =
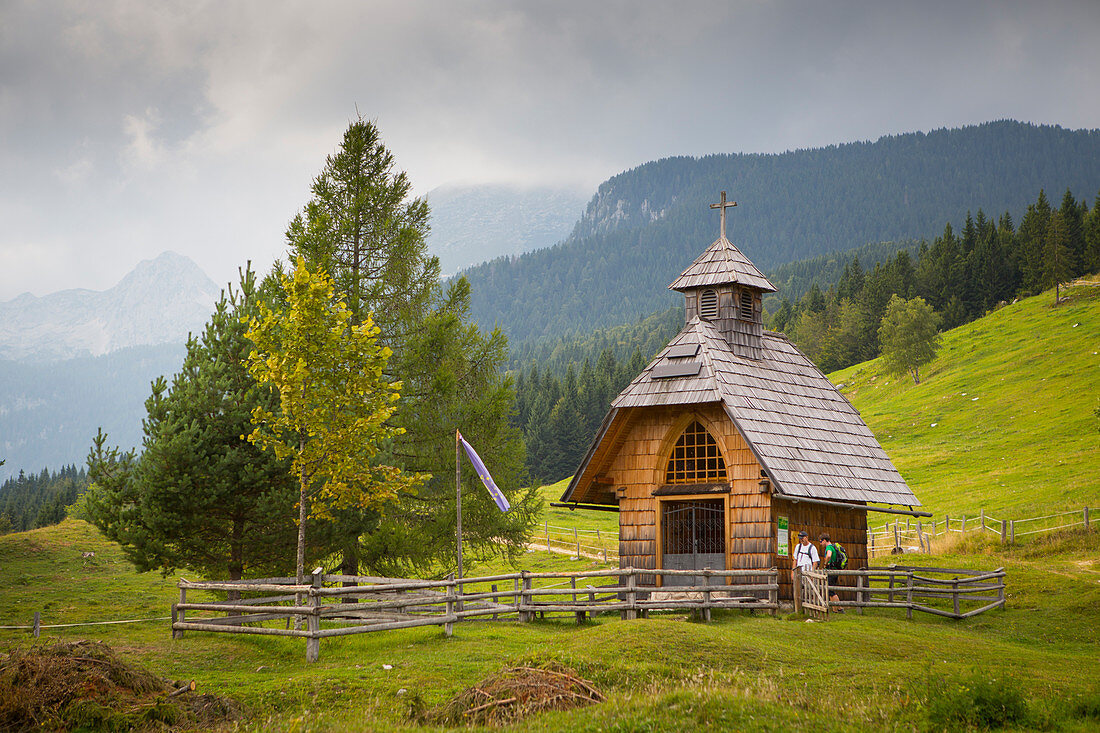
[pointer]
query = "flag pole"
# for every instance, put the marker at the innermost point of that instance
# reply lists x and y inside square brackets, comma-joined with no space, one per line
[458,501]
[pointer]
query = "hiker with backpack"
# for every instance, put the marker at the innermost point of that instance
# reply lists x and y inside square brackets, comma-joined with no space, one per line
[805,553]
[836,558]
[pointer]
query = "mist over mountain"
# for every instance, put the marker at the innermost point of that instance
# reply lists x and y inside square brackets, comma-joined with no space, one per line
[159,302]
[472,224]
[49,412]
[77,360]
[645,225]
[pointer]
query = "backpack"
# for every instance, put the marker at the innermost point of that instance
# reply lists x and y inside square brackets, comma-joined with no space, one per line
[839,559]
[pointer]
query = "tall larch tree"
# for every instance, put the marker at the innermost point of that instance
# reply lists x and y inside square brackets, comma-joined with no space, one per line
[363,227]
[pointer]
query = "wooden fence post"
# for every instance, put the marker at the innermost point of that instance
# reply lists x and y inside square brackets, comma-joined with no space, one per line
[981,513]
[577,539]
[580,614]
[182,614]
[859,593]
[909,595]
[920,537]
[773,594]
[796,582]
[449,626]
[964,524]
[946,523]
[890,596]
[37,626]
[493,587]
[1012,531]
[1086,517]
[516,597]
[313,621]
[631,595]
[1001,589]
[872,553]
[897,543]
[706,594]
[955,595]
[525,597]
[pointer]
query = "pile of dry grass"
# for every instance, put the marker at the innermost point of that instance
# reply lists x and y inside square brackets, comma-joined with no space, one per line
[515,693]
[65,686]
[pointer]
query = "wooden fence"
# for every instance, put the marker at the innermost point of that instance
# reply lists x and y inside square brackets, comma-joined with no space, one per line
[320,609]
[916,536]
[910,588]
[592,543]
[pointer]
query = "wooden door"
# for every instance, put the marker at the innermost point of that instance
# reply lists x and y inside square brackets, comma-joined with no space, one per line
[693,537]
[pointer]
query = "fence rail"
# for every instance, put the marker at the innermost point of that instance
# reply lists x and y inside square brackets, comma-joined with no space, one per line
[895,537]
[320,609]
[592,543]
[909,588]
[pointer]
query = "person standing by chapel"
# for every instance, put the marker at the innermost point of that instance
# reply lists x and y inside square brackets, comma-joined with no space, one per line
[805,553]
[832,556]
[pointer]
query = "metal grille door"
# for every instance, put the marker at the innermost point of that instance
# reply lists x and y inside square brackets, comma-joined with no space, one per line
[694,538]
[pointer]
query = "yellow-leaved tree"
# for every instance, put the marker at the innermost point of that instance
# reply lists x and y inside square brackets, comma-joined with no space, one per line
[333,400]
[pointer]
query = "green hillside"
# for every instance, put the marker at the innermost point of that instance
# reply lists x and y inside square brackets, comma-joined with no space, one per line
[1004,417]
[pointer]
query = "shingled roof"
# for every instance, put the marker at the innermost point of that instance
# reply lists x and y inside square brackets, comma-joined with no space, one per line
[802,430]
[721,264]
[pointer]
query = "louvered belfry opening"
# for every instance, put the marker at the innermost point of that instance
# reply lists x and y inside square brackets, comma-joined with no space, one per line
[746,309]
[695,458]
[708,304]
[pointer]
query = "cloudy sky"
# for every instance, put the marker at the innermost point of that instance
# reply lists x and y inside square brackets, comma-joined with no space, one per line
[129,128]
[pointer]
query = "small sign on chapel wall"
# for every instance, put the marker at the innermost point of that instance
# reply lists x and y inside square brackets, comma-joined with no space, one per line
[783,538]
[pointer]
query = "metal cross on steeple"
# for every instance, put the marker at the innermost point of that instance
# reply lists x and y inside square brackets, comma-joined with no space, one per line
[722,206]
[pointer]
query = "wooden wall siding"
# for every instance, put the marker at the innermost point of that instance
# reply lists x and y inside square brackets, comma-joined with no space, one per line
[846,526]
[639,466]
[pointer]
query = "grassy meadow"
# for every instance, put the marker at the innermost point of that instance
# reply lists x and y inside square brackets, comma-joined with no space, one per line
[743,672]
[1003,419]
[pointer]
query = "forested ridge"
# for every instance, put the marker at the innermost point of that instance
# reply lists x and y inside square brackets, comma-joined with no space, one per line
[831,306]
[39,500]
[644,226]
[963,274]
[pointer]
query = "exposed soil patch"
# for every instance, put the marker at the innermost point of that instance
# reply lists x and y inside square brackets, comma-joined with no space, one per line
[515,693]
[83,684]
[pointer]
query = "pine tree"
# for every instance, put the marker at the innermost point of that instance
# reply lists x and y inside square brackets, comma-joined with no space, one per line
[1056,254]
[1091,229]
[1031,244]
[200,497]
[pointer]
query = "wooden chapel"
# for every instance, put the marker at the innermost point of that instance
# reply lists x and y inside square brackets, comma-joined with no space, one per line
[731,441]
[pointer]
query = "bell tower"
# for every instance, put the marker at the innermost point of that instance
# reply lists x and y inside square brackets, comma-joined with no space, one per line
[723,287]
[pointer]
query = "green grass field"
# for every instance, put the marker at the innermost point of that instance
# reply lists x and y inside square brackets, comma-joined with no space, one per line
[742,672]
[1003,418]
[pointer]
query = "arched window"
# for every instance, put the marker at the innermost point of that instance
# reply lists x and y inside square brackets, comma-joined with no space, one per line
[695,459]
[708,305]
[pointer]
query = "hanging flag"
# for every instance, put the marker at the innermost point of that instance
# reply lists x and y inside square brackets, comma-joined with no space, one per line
[483,474]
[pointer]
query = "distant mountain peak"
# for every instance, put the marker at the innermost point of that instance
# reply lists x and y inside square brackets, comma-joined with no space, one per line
[160,301]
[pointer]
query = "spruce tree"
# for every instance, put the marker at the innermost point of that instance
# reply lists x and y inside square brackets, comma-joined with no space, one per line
[200,497]
[1056,254]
